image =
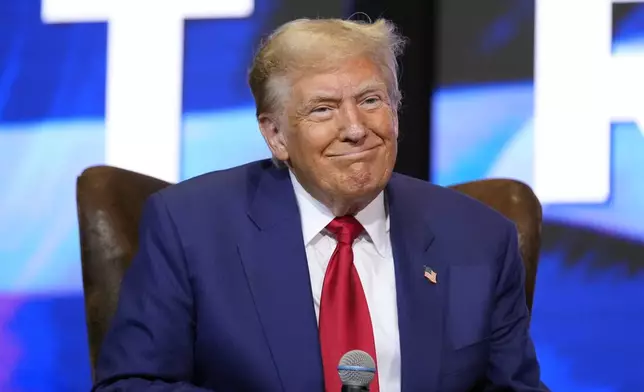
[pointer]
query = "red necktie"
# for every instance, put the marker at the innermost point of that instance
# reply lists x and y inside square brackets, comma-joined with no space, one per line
[345,323]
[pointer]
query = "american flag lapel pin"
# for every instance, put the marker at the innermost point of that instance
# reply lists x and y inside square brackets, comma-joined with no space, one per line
[430,275]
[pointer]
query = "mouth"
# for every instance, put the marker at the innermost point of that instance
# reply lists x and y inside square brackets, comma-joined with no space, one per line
[356,153]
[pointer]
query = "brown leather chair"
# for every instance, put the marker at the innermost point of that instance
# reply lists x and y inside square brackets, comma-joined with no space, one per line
[109,204]
[110,201]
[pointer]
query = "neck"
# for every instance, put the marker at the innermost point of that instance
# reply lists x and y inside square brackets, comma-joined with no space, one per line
[340,206]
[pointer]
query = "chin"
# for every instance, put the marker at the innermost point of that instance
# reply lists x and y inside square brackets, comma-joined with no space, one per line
[363,183]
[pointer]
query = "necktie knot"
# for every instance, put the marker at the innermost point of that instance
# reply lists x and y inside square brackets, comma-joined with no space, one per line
[346,229]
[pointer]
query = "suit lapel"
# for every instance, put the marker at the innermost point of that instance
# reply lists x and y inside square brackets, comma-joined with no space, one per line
[274,259]
[420,302]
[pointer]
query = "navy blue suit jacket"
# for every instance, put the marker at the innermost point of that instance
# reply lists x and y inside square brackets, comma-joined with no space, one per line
[219,298]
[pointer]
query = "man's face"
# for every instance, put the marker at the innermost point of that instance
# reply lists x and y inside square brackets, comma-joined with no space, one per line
[339,132]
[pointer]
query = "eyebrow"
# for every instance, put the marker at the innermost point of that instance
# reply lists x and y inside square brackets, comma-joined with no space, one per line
[369,86]
[366,87]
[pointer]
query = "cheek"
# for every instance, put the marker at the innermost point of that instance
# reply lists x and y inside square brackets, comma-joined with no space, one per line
[390,137]
[301,139]
[385,126]
[316,139]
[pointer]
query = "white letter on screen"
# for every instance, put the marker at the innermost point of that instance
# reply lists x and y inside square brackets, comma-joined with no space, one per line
[580,89]
[144,73]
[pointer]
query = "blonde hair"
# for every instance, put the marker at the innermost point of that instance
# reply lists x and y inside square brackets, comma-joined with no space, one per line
[309,45]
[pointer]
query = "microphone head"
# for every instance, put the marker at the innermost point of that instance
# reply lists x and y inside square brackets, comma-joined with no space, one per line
[356,368]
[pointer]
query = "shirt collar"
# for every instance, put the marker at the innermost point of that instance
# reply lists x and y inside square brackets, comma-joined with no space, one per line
[315,216]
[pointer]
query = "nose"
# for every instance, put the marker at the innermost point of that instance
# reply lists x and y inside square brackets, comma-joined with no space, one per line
[352,124]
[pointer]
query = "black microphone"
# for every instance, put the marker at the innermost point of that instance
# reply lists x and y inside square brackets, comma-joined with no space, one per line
[356,370]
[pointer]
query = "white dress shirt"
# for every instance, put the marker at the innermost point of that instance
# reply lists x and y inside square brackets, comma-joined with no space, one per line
[374,262]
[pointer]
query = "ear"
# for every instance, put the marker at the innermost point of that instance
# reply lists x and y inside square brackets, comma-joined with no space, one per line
[395,119]
[274,136]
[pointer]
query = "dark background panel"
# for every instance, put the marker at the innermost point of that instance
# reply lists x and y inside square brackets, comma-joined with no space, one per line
[485,41]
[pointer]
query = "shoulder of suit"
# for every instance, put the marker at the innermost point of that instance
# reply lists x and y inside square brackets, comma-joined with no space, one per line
[446,204]
[226,188]
[221,187]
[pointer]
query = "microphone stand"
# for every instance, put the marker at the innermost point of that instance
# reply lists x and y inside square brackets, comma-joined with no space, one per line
[354,388]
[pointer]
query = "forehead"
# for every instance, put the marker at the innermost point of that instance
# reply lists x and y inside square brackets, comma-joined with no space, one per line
[350,77]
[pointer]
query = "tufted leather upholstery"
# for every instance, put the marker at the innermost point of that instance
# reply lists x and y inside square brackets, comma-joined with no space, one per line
[110,202]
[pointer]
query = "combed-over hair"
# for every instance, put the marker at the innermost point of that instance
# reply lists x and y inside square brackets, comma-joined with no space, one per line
[307,45]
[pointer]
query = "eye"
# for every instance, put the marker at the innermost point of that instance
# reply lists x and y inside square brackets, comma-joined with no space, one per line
[321,109]
[372,101]
[321,113]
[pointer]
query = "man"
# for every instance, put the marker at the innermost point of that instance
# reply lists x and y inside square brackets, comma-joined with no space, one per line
[259,278]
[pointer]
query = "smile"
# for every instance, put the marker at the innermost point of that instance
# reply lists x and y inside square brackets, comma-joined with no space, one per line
[356,154]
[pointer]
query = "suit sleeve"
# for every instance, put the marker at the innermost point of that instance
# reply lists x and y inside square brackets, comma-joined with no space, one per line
[149,346]
[513,362]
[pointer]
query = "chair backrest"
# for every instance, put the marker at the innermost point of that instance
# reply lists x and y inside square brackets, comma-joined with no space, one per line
[517,202]
[110,202]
